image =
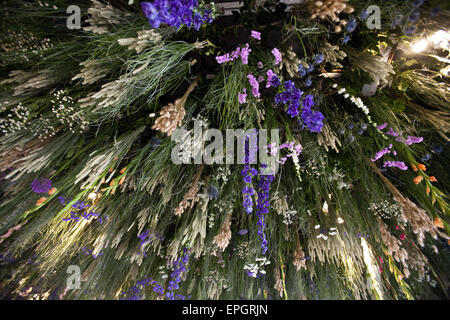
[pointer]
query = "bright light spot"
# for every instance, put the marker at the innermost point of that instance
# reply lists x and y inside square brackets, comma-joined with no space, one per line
[92,196]
[419,46]
[441,39]
[340,220]
[325,207]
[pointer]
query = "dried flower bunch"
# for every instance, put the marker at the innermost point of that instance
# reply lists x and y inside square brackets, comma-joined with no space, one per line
[144,39]
[328,139]
[102,15]
[172,115]
[331,54]
[291,62]
[299,257]
[393,245]
[110,94]
[29,81]
[378,69]
[222,239]
[191,197]
[12,157]
[417,218]
[330,10]
[92,71]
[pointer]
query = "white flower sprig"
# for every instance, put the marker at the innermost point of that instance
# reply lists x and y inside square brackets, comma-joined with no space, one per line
[360,104]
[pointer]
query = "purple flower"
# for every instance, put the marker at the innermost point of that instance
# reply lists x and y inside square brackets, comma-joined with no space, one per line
[242,97]
[312,119]
[186,17]
[277,55]
[417,3]
[207,16]
[310,68]
[242,232]
[351,25]
[272,79]
[151,13]
[197,21]
[318,59]
[244,53]
[254,84]
[426,157]
[410,140]
[345,39]
[391,132]
[256,35]
[262,208]
[399,164]
[308,102]
[380,154]
[260,65]
[364,15]
[382,126]
[42,185]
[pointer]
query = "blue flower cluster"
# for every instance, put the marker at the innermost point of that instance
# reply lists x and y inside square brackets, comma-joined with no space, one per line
[248,173]
[175,13]
[145,237]
[179,267]
[262,207]
[351,25]
[136,290]
[81,206]
[42,185]
[290,97]
[311,118]
[89,252]
[213,193]
[302,71]
[75,216]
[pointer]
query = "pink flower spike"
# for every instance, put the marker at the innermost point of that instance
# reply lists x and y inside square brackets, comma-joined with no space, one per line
[277,55]
[391,132]
[242,97]
[269,77]
[402,237]
[256,35]
[397,227]
[244,53]
[382,126]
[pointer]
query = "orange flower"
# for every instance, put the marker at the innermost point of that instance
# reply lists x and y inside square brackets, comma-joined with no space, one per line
[123,170]
[110,170]
[422,167]
[51,191]
[418,179]
[414,167]
[432,178]
[40,201]
[428,190]
[438,223]
[122,180]
[111,183]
